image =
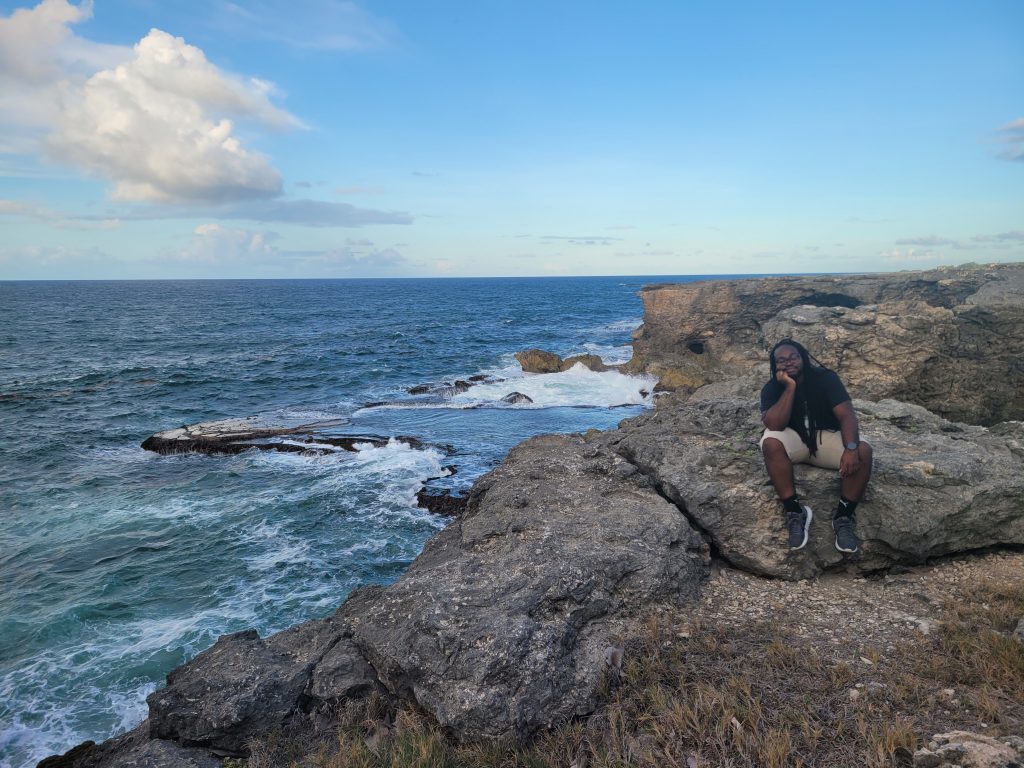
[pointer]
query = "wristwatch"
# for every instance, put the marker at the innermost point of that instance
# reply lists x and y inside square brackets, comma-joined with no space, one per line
[852,446]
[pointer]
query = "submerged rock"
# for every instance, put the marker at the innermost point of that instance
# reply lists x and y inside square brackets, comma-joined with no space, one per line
[516,398]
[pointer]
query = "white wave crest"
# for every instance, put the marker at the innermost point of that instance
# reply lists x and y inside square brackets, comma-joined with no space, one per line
[579,386]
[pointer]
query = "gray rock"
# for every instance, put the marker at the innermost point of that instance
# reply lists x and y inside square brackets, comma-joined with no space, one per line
[973,750]
[245,686]
[938,487]
[500,627]
[1018,632]
[132,750]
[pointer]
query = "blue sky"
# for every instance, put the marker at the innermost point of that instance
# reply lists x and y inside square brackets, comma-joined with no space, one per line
[319,138]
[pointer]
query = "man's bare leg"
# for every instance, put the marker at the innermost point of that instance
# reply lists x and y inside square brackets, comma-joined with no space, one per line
[852,487]
[779,466]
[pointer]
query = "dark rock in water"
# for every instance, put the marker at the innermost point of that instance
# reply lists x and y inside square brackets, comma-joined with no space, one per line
[447,389]
[233,436]
[539,361]
[935,491]
[515,398]
[442,503]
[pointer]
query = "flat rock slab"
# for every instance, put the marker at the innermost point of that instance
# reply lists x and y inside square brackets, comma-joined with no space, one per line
[938,487]
[230,436]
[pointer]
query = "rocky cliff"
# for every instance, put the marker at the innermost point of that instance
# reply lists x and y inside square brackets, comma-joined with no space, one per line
[950,340]
[507,622]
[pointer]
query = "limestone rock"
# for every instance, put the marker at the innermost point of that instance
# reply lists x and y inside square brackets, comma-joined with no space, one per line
[593,362]
[539,361]
[938,487]
[500,626]
[950,339]
[970,750]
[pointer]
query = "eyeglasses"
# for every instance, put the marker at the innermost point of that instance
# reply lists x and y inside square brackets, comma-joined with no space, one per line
[787,359]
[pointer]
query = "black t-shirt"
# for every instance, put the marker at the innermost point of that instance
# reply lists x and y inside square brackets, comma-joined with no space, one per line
[835,393]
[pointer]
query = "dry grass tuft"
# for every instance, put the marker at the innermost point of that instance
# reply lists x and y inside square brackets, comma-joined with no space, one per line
[742,693]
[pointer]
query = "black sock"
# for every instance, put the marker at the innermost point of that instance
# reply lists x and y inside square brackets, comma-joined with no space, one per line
[792,504]
[846,507]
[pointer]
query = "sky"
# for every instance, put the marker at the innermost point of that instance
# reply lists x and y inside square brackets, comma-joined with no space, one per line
[142,139]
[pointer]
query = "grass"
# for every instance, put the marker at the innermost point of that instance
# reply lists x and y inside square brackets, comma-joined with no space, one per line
[745,695]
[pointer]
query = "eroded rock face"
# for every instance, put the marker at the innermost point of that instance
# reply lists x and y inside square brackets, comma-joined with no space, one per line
[500,627]
[950,340]
[938,487]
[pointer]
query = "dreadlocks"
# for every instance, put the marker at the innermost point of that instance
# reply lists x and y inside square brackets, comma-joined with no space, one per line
[810,407]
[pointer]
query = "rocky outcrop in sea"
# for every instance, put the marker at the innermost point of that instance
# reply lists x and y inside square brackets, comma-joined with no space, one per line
[504,625]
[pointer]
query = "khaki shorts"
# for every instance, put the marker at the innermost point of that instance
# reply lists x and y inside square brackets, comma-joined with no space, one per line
[830,447]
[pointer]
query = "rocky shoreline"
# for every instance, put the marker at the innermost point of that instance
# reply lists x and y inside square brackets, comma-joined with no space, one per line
[507,622]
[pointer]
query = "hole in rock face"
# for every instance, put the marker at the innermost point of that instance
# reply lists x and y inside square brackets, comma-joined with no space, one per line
[830,300]
[697,347]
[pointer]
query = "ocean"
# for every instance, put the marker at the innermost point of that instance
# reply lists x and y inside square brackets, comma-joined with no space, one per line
[118,564]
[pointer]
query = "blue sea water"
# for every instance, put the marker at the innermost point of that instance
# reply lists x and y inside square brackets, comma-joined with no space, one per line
[118,564]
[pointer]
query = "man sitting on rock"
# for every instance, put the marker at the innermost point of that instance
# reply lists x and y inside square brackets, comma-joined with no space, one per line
[809,418]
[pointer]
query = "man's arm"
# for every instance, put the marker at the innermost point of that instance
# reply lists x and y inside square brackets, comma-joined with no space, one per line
[849,428]
[776,418]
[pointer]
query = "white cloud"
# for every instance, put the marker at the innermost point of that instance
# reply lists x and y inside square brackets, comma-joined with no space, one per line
[311,213]
[41,62]
[1003,237]
[157,126]
[22,209]
[908,255]
[214,246]
[928,240]
[47,262]
[328,25]
[1013,134]
[156,119]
